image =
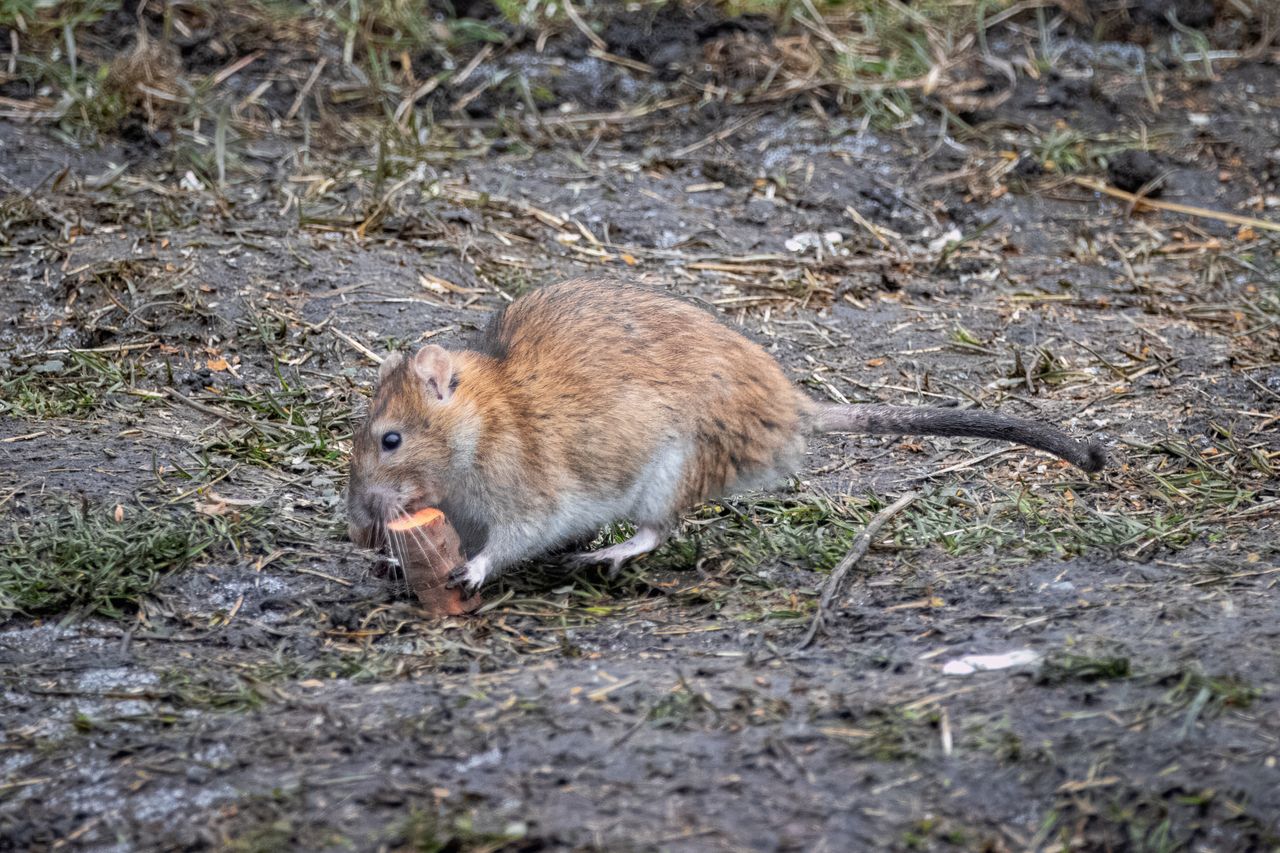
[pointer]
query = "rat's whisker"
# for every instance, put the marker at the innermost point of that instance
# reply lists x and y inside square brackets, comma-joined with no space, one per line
[420,536]
[396,546]
[399,573]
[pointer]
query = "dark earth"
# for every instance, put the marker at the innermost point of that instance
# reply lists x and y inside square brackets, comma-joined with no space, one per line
[194,295]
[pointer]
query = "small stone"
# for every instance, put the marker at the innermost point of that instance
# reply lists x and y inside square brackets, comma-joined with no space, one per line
[1132,170]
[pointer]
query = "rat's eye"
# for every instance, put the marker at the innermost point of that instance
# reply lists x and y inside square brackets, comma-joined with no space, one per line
[390,440]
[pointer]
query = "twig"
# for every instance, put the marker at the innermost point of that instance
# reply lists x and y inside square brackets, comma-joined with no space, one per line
[719,136]
[633,64]
[208,410]
[859,549]
[865,223]
[418,94]
[130,347]
[306,89]
[305,571]
[961,466]
[1190,210]
[599,43]
[236,67]
[471,66]
[357,346]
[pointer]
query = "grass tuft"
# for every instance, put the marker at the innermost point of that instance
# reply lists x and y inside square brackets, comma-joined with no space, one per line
[70,386]
[1059,669]
[92,560]
[810,532]
[427,832]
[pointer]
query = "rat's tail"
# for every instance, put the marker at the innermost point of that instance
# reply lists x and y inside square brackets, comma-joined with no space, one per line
[919,420]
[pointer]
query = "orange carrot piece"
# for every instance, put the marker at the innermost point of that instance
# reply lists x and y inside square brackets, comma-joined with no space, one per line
[418,519]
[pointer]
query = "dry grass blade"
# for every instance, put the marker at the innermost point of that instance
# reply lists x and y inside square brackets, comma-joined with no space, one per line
[1174,207]
[306,89]
[357,346]
[856,553]
[590,34]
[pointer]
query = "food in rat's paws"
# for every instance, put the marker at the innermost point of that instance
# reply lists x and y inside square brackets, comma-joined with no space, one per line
[429,550]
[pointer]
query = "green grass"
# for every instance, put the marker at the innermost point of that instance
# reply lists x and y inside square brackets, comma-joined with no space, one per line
[751,537]
[67,557]
[210,689]
[894,46]
[246,685]
[288,427]
[50,54]
[882,51]
[683,708]
[81,559]
[1213,476]
[1137,818]
[806,531]
[876,53]
[887,733]
[1183,492]
[814,533]
[926,832]
[1067,150]
[61,50]
[46,19]
[1206,694]
[1065,667]
[427,831]
[74,385]
[733,555]
[1030,525]
[736,546]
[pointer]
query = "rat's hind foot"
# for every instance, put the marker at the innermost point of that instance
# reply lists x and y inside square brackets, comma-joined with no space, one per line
[645,540]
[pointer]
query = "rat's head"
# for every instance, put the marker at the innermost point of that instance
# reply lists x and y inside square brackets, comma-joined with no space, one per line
[401,455]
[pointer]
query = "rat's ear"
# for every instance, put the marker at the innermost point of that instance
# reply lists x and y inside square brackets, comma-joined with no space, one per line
[435,367]
[390,363]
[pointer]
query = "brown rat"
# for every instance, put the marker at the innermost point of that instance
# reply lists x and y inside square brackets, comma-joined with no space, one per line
[589,402]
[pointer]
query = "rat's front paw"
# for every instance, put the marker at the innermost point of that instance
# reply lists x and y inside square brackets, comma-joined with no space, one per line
[470,575]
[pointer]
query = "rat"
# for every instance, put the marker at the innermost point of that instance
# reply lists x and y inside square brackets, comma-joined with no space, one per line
[589,402]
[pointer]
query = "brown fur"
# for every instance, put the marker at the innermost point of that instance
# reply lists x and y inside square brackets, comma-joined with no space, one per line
[574,388]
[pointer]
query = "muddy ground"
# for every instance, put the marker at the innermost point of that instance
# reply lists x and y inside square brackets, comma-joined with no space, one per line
[185,360]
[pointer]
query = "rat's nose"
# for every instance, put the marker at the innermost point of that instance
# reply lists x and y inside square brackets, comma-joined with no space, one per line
[382,503]
[371,508]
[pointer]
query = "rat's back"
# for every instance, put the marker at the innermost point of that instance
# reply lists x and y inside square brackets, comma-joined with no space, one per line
[621,382]
[585,321]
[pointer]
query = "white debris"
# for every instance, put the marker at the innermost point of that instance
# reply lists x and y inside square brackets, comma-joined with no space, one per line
[969,664]
[806,240]
[484,759]
[939,243]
